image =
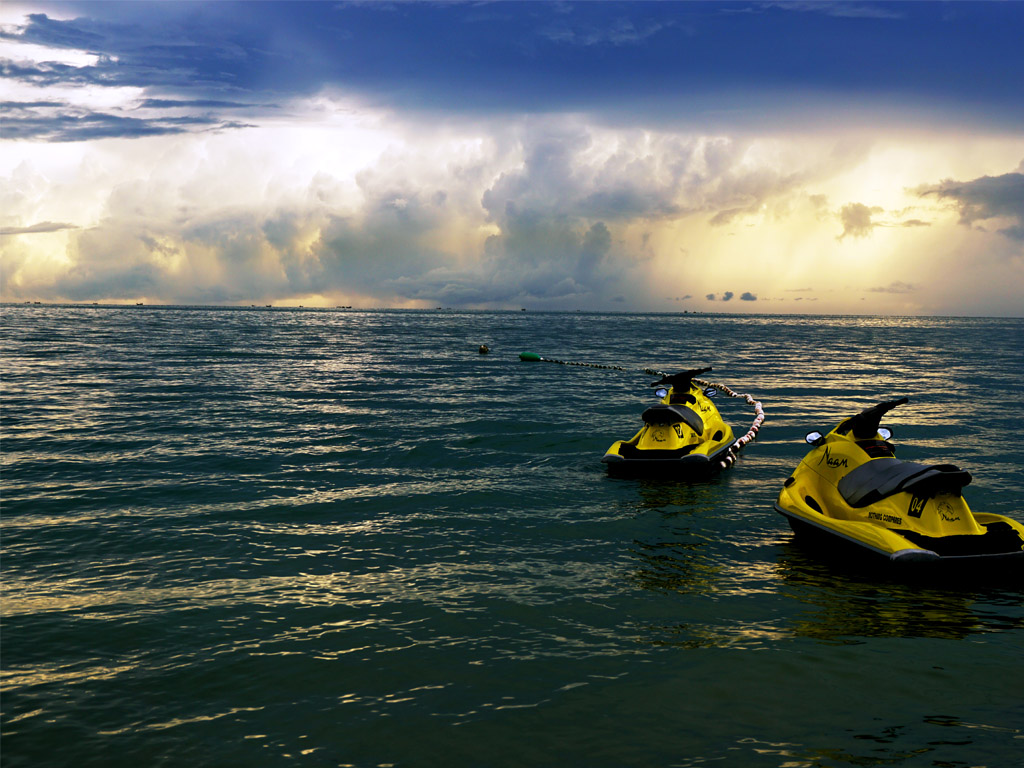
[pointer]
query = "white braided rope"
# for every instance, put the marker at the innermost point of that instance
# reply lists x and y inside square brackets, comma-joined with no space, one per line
[739,444]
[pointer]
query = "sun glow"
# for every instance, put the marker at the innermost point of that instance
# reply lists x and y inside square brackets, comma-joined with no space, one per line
[862,237]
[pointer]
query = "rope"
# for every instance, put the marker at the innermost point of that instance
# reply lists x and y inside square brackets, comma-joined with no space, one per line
[649,371]
[741,442]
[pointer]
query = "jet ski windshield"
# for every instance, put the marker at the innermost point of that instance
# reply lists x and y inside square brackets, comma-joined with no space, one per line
[865,424]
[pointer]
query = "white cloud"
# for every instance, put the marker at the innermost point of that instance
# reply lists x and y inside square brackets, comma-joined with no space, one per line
[19,52]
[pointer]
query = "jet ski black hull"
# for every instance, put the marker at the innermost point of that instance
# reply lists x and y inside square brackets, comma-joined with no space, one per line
[993,553]
[685,467]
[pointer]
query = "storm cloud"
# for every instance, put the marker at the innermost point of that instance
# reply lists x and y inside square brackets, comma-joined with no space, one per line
[896,286]
[986,198]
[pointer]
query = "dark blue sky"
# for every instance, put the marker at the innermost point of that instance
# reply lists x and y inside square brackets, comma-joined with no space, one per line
[632,62]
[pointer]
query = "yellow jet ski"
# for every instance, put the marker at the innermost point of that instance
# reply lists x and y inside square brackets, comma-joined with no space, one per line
[683,435]
[851,489]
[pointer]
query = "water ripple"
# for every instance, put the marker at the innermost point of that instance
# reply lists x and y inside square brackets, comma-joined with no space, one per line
[283,537]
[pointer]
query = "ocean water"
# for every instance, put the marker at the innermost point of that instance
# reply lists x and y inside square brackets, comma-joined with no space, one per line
[346,538]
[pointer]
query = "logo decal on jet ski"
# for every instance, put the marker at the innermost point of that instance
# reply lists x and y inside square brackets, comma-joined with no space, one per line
[679,430]
[946,512]
[834,463]
[917,504]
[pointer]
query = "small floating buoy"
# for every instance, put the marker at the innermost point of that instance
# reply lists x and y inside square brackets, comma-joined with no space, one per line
[484,349]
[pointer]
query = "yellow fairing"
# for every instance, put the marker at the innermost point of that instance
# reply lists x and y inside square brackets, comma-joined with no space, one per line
[907,525]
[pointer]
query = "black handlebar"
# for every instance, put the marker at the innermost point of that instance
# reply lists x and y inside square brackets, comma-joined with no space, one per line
[680,380]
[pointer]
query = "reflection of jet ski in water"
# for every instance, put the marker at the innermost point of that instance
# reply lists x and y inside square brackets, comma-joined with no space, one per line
[683,435]
[852,489]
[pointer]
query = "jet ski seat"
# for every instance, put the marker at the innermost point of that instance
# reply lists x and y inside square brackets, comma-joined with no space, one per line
[876,479]
[673,414]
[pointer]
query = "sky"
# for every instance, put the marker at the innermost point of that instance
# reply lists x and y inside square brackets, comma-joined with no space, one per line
[762,157]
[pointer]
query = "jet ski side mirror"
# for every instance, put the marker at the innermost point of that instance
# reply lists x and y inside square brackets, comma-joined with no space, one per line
[885,432]
[814,438]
